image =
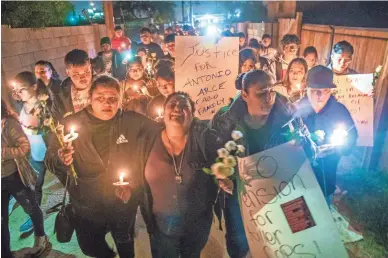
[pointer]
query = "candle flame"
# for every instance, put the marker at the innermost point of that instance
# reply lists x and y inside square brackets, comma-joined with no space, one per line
[72,130]
[121,177]
[159,112]
[13,83]
[123,45]
[298,86]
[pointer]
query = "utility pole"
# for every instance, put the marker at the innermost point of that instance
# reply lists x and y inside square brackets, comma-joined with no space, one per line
[109,20]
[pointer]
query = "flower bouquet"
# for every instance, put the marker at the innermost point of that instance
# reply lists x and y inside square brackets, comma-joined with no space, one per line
[42,111]
[224,167]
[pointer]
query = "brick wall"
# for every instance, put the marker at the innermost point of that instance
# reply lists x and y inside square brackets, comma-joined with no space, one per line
[22,47]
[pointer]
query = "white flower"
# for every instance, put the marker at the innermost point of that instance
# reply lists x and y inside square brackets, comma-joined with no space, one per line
[320,134]
[43,97]
[240,148]
[47,121]
[220,171]
[230,161]
[236,135]
[378,68]
[222,153]
[231,146]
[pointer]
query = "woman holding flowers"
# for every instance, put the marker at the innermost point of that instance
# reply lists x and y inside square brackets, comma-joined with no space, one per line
[29,92]
[262,116]
[179,195]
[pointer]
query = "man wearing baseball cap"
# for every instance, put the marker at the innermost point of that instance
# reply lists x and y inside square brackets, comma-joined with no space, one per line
[330,124]
[113,62]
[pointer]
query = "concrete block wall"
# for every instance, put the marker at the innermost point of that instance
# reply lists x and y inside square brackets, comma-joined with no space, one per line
[21,48]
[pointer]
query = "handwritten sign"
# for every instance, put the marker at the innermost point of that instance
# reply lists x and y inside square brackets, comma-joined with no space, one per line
[284,211]
[352,91]
[207,71]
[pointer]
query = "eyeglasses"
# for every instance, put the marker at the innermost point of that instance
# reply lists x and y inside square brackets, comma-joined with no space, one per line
[18,91]
[136,70]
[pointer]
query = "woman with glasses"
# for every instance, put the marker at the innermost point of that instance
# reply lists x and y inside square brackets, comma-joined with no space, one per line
[261,115]
[27,89]
[293,84]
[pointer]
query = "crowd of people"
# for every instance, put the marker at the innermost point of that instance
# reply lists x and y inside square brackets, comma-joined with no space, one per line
[129,118]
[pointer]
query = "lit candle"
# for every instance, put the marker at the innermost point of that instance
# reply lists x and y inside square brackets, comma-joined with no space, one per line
[298,86]
[13,83]
[159,112]
[123,45]
[71,136]
[121,178]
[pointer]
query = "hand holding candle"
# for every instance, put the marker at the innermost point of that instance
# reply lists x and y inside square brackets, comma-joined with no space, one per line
[69,138]
[121,181]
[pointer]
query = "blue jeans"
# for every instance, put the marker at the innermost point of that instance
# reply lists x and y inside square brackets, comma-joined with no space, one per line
[236,240]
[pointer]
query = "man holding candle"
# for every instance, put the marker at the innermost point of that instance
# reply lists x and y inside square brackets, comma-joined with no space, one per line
[326,118]
[105,148]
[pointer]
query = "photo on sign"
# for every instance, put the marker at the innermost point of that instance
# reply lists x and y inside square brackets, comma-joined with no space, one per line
[298,215]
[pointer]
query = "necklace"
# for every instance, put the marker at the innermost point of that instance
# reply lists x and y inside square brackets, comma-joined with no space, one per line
[178,174]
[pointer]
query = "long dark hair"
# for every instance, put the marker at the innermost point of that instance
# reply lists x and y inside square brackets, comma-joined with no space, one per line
[49,65]
[286,81]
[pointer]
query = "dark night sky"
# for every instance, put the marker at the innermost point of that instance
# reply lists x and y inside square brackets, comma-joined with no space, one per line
[354,14]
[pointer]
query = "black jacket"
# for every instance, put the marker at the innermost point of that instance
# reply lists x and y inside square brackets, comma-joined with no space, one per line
[333,114]
[232,118]
[95,191]
[118,68]
[62,102]
[152,48]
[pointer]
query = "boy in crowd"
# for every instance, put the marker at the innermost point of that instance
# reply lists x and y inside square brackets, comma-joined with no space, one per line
[151,47]
[268,51]
[113,62]
[119,41]
[341,58]
[73,94]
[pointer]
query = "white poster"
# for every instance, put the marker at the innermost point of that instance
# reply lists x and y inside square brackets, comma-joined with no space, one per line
[207,71]
[352,91]
[284,211]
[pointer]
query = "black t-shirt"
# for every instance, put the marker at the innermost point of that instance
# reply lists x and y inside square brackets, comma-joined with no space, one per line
[257,138]
[152,48]
[101,130]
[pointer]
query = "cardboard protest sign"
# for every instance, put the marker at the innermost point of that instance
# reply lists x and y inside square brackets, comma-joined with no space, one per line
[207,71]
[283,209]
[352,91]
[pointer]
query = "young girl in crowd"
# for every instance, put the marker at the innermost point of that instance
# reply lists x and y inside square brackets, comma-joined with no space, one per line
[17,178]
[293,85]
[310,54]
[135,85]
[250,59]
[165,80]
[27,88]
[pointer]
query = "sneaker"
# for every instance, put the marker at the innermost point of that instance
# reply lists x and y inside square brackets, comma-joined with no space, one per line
[27,226]
[41,245]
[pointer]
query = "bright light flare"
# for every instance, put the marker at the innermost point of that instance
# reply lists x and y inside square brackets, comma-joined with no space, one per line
[211,30]
[339,136]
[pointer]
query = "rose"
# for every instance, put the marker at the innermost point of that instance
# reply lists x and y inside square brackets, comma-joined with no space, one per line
[240,149]
[231,145]
[230,162]
[47,121]
[320,134]
[378,69]
[220,171]
[43,97]
[236,135]
[222,153]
